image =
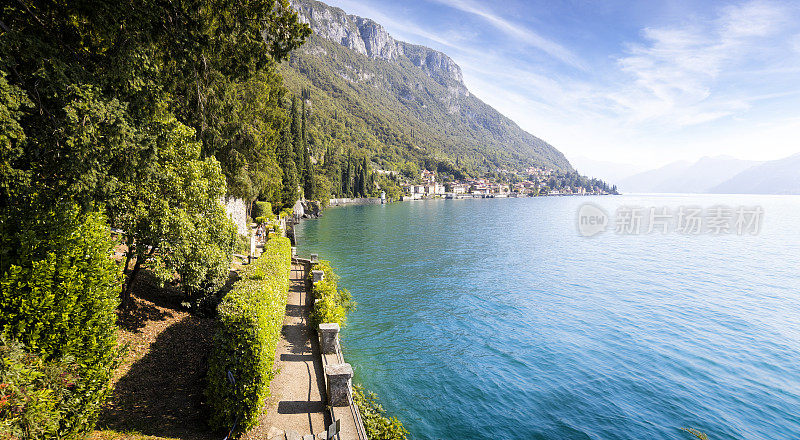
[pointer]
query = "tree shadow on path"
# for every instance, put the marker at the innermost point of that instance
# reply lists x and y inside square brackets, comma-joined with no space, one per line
[162,393]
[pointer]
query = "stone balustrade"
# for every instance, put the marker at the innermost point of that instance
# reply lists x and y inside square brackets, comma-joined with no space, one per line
[329,335]
[339,378]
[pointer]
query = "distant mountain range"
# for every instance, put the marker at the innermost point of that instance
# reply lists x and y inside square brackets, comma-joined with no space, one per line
[721,174]
[398,101]
[774,177]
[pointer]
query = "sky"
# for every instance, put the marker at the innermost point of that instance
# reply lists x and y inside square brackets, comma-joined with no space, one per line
[642,83]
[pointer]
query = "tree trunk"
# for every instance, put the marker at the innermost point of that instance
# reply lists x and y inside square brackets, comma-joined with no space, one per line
[126,300]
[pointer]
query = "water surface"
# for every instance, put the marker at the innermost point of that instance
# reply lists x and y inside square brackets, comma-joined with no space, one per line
[494,319]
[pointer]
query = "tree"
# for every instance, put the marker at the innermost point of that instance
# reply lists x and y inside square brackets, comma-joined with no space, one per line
[173,216]
[12,137]
[243,133]
[297,138]
[308,171]
[286,156]
[364,188]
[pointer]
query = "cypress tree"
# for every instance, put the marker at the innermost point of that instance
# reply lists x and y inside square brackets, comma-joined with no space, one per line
[286,157]
[363,183]
[297,138]
[308,177]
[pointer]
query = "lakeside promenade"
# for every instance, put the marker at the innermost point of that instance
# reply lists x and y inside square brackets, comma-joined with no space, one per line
[298,407]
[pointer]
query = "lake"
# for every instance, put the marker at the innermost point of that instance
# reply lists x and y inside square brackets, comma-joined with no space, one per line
[496,319]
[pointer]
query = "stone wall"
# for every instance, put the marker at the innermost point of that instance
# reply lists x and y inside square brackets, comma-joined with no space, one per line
[237,211]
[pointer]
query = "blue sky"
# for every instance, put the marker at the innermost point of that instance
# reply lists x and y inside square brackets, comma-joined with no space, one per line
[638,82]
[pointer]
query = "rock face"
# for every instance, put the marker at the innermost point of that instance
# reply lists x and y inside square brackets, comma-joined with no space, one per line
[369,38]
[309,209]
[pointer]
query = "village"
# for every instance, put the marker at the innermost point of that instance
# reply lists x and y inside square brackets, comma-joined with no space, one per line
[534,181]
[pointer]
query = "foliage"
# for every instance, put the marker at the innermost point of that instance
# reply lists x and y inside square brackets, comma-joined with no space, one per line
[242,133]
[393,112]
[148,111]
[261,209]
[173,216]
[12,136]
[35,395]
[378,425]
[288,195]
[333,304]
[58,298]
[573,179]
[249,327]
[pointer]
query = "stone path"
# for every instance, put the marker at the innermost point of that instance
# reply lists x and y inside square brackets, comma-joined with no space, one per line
[296,407]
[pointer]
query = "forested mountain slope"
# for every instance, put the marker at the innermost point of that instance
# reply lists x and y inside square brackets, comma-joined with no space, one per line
[399,101]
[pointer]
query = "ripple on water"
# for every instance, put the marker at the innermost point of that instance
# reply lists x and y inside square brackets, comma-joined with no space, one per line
[493,319]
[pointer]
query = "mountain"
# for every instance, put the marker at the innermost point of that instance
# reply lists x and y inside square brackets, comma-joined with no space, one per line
[649,181]
[684,177]
[774,177]
[398,101]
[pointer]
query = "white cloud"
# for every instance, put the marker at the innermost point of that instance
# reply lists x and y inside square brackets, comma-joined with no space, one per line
[676,71]
[519,32]
[682,91]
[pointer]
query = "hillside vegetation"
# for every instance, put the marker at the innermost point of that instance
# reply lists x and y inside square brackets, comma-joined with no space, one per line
[398,102]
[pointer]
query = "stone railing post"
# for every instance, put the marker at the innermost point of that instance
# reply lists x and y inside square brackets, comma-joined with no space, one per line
[252,248]
[317,275]
[328,333]
[340,379]
[294,251]
[314,258]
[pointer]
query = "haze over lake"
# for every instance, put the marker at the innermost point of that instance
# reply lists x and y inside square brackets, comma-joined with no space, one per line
[494,319]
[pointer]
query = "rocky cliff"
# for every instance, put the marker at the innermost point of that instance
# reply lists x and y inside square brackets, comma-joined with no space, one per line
[369,38]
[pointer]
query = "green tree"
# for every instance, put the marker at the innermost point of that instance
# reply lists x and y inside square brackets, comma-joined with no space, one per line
[297,138]
[286,156]
[308,170]
[243,134]
[12,137]
[173,216]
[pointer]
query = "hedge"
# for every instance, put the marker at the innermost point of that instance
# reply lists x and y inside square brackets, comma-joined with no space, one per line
[333,304]
[249,324]
[59,298]
[262,212]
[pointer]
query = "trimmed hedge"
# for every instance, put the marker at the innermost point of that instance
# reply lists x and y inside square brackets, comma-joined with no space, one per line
[248,329]
[262,212]
[333,304]
[58,298]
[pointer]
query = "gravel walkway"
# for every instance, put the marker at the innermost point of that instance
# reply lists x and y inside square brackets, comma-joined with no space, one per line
[297,393]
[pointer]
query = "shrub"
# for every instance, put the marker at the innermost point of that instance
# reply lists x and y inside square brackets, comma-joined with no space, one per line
[261,209]
[333,304]
[34,395]
[249,327]
[59,297]
[377,424]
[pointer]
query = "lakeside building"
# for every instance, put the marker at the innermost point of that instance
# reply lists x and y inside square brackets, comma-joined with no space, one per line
[537,183]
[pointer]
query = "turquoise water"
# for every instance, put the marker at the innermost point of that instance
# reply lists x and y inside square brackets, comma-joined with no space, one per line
[494,319]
